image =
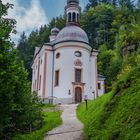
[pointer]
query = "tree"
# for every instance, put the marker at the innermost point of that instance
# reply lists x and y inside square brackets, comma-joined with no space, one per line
[93,3]
[99,27]
[127,3]
[17,104]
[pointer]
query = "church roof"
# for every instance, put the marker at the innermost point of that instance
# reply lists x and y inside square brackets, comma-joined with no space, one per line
[72,33]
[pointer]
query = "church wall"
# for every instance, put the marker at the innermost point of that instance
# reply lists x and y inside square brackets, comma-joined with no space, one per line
[40,64]
[65,64]
[37,74]
[43,71]
[34,75]
[49,71]
[94,87]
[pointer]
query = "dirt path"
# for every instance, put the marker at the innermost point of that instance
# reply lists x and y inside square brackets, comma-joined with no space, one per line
[71,129]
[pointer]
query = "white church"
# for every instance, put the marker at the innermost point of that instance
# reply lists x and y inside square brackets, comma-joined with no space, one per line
[65,69]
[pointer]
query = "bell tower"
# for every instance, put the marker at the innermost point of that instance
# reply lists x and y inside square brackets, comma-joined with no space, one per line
[72,12]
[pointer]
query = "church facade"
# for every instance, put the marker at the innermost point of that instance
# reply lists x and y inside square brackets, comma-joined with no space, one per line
[65,69]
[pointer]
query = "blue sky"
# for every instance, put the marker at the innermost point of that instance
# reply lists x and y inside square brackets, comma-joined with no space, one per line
[52,8]
[31,14]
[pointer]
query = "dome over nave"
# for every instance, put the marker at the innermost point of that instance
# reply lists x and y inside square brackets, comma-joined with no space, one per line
[72,33]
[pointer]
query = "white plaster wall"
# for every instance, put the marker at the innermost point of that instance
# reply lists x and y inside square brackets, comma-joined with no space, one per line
[34,73]
[40,73]
[93,84]
[49,71]
[67,70]
[41,56]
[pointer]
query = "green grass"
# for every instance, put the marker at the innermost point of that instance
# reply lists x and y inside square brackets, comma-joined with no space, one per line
[44,106]
[113,117]
[92,116]
[51,119]
[116,116]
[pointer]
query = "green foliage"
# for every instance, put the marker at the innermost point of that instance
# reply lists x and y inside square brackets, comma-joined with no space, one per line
[112,27]
[51,120]
[19,109]
[99,27]
[116,115]
[6,25]
[109,60]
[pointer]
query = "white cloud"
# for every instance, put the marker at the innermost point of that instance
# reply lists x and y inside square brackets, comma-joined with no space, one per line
[27,19]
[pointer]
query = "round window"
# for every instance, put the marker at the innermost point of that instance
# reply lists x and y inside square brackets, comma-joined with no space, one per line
[57,55]
[78,54]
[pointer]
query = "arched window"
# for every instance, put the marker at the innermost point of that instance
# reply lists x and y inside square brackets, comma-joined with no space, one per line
[73,17]
[77,17]
[69,17]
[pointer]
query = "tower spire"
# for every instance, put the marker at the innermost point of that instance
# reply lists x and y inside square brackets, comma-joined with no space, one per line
[73,12]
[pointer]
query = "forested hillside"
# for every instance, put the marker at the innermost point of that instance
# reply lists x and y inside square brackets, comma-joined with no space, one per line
[113,28]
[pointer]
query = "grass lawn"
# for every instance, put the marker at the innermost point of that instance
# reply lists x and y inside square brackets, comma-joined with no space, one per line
[52,120]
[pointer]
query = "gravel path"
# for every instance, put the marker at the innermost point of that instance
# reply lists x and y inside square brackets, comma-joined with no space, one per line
[71,129]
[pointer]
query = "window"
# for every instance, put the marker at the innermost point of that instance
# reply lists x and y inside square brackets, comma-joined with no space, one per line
[69,17]
[40,83]
[77,17]
[78,73]
[57,55]
[56,77]
[73,17]
[99,85]
[78,54]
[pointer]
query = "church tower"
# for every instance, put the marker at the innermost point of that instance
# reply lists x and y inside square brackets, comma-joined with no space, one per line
[72,11]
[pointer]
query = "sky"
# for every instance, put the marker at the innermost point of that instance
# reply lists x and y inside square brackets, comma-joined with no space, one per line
[31,14]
